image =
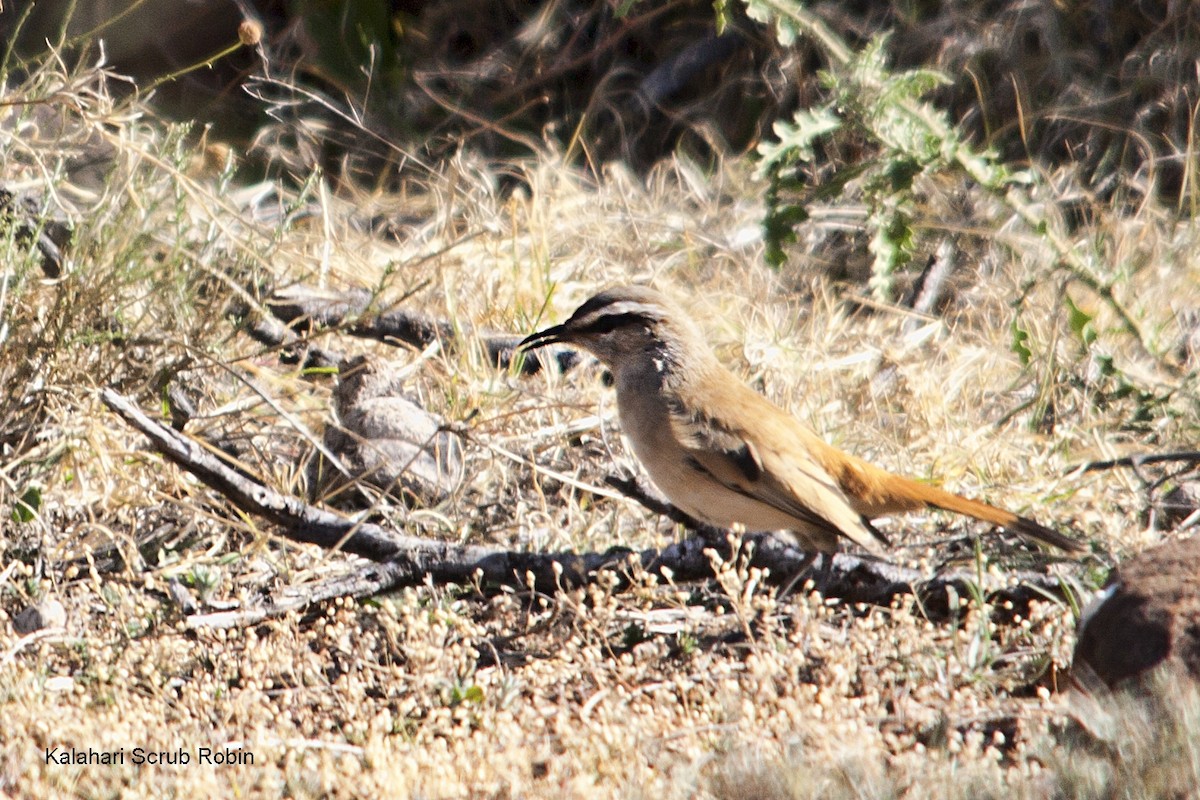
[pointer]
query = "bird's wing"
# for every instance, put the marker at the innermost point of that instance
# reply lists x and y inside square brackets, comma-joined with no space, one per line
[796,485]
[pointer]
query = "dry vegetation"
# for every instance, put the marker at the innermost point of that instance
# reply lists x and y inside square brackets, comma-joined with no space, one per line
[723,689]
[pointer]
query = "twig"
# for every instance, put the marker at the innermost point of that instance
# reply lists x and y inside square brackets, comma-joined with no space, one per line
[303,522]
[932,285]
[371,579]
[1137,461]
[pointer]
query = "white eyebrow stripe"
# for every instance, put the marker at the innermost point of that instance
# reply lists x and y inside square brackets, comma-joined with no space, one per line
[620,308]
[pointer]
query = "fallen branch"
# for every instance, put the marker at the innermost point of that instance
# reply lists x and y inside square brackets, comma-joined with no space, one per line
[403,560]
[860,579]
[266,329]
[326,309]
[1192,456]
[369,580]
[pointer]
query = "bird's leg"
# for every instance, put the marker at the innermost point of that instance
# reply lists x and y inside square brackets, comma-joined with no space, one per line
[819,572]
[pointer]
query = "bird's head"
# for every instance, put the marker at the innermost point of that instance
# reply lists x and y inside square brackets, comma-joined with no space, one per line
[624,327]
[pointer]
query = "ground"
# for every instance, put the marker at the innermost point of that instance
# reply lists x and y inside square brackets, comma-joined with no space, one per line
[716,689]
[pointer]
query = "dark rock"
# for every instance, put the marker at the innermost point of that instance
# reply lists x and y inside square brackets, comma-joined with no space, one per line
[46,614]
[1149,615]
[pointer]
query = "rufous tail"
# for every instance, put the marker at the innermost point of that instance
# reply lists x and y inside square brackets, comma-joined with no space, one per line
[874,492]
[947,501]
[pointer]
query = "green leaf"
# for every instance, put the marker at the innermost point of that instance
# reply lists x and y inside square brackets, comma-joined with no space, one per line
[900,173]
[794,140]
[721,10]
[1019,343]
[779,222]
[460,694]
[785,28]
[28,505]
[1080,322]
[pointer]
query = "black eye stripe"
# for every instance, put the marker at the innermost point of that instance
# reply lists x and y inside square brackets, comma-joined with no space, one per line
[606,323]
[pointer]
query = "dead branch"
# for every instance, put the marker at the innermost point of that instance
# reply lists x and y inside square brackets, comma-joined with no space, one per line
[860,579]
[352,308]
[403,560]
[368,580]
[1192,456]
[266,329]
[933,284]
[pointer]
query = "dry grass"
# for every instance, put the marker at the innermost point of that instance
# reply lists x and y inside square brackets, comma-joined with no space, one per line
[721,690]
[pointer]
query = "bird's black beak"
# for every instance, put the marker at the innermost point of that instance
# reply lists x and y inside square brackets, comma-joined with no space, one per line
[552,335]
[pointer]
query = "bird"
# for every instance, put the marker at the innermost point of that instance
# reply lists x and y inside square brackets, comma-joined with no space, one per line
[726,455]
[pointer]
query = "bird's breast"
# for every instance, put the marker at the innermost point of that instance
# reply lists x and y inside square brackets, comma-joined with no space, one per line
[646,421]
